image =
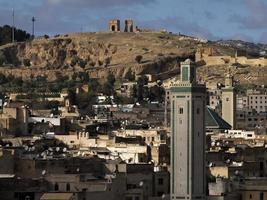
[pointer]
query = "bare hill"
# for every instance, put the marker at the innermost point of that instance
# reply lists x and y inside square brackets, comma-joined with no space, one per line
[101,53]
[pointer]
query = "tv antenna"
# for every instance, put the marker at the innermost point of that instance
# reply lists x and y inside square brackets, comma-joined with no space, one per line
[13,25]
[33,21]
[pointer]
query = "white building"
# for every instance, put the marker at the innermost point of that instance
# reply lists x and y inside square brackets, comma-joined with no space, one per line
[241,134]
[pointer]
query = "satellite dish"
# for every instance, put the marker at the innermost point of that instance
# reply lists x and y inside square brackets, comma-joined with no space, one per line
[57,149]
[64,149]
[43,172]
[213,144]
[141,184]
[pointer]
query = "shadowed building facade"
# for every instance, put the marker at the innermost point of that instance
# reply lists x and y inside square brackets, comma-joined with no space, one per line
[188,107]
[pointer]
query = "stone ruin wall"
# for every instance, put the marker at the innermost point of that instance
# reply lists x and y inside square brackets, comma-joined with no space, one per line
[207,56]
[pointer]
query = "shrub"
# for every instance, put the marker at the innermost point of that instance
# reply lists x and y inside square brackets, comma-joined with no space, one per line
[82,63]
[2,58]
[130,76]
[26,62]
[74,61]
[138,58]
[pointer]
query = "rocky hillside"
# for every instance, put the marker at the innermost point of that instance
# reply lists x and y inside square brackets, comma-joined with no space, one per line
[96,53]
[101,53]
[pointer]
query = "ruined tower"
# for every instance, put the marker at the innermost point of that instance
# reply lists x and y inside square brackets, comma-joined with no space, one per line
[128,25]
[114,25]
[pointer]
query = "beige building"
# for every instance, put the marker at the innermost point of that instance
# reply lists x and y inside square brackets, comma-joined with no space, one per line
[14,120]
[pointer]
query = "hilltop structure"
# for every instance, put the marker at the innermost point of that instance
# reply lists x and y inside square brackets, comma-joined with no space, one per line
[115,25]
[188,105]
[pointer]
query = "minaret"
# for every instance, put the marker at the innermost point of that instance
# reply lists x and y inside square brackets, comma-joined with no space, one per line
[229,101]
[188,104]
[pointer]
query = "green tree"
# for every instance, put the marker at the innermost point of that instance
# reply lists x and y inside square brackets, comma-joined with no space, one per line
[130,76]
[6,35]
[26,62]
[108,87]
[83,76]
[141,89]
[94,85]
[82,63]
[2,58]
[3,79]
[157,93]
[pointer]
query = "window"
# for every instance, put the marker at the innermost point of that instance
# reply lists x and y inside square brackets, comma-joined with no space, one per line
[181,110]
[160,181]
[56,187]
[198,110]
[68,187]
[261,196]
[160,194]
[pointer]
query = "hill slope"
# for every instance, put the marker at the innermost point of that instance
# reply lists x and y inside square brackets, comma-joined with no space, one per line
[101,53]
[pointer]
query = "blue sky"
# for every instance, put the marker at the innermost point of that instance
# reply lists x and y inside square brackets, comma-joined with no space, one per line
[211,19]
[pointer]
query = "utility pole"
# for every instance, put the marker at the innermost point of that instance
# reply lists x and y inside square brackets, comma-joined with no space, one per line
[13,25]
[33,20]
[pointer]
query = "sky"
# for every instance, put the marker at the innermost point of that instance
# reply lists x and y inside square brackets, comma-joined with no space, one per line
[210,19]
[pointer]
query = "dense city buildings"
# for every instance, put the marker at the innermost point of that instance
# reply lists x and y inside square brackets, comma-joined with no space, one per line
[131,113]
